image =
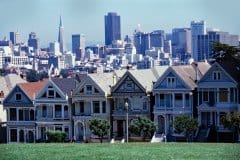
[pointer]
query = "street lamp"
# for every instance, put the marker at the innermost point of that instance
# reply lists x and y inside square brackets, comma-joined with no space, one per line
[126,107]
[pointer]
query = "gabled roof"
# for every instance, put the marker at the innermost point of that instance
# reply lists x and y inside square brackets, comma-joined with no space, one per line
[227,68]
[187,73]
[9,81]
[106,80]
[146,77]
[232,67]
[66,85]
[32,88]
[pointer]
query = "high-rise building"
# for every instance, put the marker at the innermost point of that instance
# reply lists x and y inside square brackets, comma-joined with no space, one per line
[157,39]
[61,39]
[78,45]
[205,43]
[112,28]
[197,28]
[181,42]
[33,41]
[15,37]
[54,49]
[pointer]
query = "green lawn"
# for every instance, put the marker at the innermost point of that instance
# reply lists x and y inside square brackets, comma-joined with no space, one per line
[135,151]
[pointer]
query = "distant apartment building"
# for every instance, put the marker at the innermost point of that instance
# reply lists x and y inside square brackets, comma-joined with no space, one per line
[197,28]
[112,28]
[15,37]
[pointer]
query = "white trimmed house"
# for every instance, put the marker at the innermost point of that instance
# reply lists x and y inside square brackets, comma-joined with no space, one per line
[91,100]
[218,94]
[133,89]
[174,92]
[53,107]
[21,113]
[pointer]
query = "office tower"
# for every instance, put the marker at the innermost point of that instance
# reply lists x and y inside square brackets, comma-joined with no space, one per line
[112,28]
[12,37]
[54,49]
[15,37]
[61,40]
[197,28]
[78,45]
[205,43]
[33,41]
[141,42]
[168,47]
[181,43]
[157,39]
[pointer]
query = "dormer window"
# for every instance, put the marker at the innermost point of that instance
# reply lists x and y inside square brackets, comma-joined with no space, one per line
[50,93]
[216,75]
[88,89]
[171,82]
[18,97]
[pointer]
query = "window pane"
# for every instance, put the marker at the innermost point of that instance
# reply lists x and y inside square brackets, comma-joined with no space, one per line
[13,135]
[13,114]
[20,115]
[223,95]
[58,111]
[96,107]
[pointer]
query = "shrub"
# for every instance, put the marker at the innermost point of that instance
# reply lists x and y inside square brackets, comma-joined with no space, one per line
[57,136]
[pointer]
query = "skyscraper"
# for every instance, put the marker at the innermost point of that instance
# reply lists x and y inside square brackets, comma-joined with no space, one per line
[15,37]
[157,38]
[112,28]
[205,43]
[61,40]
[33,41]
[197,28]
[78,45]
[181,42]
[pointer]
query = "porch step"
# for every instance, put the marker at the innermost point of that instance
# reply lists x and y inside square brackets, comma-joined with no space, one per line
[157,138]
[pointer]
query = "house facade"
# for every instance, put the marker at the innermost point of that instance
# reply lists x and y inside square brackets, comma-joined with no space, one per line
[218,94]
[174,93]
[53,108]
[91,100]
[132,94]
[21,113]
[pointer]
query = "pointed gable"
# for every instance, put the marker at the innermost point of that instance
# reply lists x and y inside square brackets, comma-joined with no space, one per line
[216,76]
[50,91]
[32,88]
[128,84]
[170,80]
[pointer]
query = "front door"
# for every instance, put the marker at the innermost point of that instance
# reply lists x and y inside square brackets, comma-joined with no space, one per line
[120,128]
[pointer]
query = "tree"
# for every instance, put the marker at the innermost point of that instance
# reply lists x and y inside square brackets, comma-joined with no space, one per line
[32,76]
[186,125]
[231,121]
[142,127]
[225,52]
[100,127]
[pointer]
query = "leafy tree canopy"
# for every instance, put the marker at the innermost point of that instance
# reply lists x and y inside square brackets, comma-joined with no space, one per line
[186,125]
[100,127]
[142,127]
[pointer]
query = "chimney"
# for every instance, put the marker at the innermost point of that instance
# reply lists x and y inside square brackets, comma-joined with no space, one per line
[195,66]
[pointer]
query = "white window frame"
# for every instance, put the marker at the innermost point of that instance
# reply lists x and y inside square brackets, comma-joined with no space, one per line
[171,82]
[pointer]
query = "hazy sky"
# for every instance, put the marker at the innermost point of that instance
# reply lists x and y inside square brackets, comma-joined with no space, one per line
[87,16]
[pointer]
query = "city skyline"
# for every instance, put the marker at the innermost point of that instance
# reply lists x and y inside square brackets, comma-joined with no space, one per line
[87,17]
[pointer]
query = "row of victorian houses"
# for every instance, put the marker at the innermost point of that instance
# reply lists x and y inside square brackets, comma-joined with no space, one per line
[199,90]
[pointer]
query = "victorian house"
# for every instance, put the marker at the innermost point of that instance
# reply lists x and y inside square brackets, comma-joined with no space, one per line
[218,94]
[53,107]
[21,112]
[174,94]
[91,100]
[132,95]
